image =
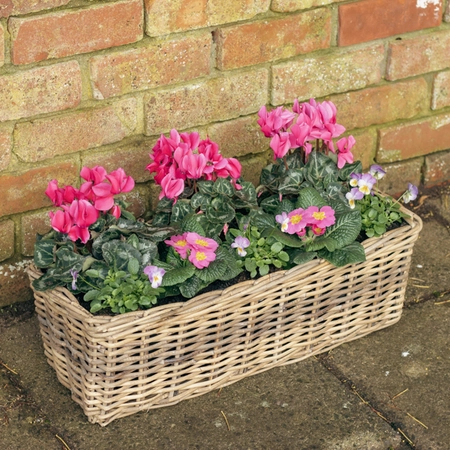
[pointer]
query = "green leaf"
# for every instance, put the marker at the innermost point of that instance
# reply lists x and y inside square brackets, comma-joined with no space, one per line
[317,167]
[288,240]
[43,253]
[177,276]
[291,182]
[133,266]
[350,254]
[223,186]
[192,223]
[180,210]
[300,257]
[276,247]
[263,220]
[118,253]
[348,169]
[106,236]
[321,242]
[264,270]
[91,295]
[199,200]
[250,265]
[247,193]
[220,211]
[283,256]
[215,271]
[206,187]
[191,287]
[310,197]
[346,229]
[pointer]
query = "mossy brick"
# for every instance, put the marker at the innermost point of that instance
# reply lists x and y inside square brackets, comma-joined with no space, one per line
[31,225]
[164,17]
[252,166]
[447,13]
[14,282]
[239,137]
[296,5]
[97,27]
[17,7]
[437,168]
[399,174]
[441,90]
[367,20]
[5,147]
[216,99]
[382,104]
[418,55]
[40,90]
[159,63]
[273,39]
[138,200]
[414,139]
[327,74]
[73,132]
[6,239]
[22,192]
[2,45]
[365,146]
[131,157]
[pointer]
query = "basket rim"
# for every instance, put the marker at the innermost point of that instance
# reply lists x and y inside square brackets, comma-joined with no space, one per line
[413,227]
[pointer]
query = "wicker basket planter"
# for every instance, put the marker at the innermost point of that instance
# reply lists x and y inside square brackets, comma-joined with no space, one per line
[118,365]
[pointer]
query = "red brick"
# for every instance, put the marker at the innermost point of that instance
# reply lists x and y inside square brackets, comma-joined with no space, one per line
[414,139]
[295,5]
[422,54]
[441,90]
[367,20]
[25,191]
[398,176]
[40,90]
[158,64]
[239,137]
[365,147]
[33,224]
[16,7]
[6,239]
[209,101]
[132,157]
[274,39]
[382,104]
[164,17]
[81,31]
[46,138]
[5,147]
[437,168]
[324,75]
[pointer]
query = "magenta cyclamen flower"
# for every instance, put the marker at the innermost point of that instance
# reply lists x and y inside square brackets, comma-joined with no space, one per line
[322,218]
[155,275]
[240,243]
[344,154]
[354,194]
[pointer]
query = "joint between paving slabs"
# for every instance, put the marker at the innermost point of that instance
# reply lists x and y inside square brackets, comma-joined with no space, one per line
[327,362]
[24,397]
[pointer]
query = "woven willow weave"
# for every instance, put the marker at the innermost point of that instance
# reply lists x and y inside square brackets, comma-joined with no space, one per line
[118,365]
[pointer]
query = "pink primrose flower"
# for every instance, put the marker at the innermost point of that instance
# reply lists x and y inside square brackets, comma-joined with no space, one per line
[317,230]
[297,221]
[197,242]
[344,146]
[179,243]
[155,275]
[201,258]
[322,218]
[240,244]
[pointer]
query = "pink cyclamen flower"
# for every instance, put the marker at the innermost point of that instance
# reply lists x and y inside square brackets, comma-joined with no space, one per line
[80,233]
[280,144]
[283,220]
[83,213]
[155,275]
[120,181]
[298,219]
[171,187]
[240,244]
[96,175]
[179,243]
[274,121]
[322,218]
[61,221]
[201,258]
[195,241]
[354,194]
[344,154]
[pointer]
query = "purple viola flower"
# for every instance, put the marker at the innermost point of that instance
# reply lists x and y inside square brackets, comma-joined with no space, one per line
[74,274]
[240,243]
[411,193]
[283,219]
[354,178]
[354,194]
[155,275]
[377,171]
[366,183]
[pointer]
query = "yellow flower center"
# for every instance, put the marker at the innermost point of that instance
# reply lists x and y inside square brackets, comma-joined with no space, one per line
[200,256]
[296,219]
[182,243]
[319,215]
[201,242]
[364,189]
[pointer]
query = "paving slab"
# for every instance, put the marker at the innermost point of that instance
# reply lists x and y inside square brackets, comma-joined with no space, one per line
[299,406]
[404,373]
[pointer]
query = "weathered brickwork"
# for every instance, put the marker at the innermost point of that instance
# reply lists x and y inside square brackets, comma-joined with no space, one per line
[95,82]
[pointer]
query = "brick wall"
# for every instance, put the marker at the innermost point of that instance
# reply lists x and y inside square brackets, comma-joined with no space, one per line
[85,82]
